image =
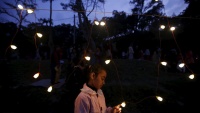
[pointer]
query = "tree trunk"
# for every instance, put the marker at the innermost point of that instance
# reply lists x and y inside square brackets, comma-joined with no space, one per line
[50,42]
[85,25]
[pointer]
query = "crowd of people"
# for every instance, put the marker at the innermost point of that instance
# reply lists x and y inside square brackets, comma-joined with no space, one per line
[77,62]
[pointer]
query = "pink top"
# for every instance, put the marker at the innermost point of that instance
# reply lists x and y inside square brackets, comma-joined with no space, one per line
[89,101]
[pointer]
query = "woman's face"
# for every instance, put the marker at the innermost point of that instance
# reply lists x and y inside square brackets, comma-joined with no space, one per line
[99,80]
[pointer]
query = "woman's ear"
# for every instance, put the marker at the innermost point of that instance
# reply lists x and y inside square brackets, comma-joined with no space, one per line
[92,75]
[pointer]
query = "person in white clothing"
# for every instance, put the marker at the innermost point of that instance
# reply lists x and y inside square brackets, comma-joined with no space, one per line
[91,98]
[130,52]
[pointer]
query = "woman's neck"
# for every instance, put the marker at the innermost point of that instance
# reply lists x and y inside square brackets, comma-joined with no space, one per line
[92,87]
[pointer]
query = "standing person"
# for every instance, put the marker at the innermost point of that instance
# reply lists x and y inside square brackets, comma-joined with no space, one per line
[55,64]
[91,98]
[147,54]
[130,52]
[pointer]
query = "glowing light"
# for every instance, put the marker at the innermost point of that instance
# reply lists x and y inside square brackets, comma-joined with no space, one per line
[164,63]
[96,22]
[39,35]
[181,65]
[87,58]
[172,28]
[107,61]
[29,10]
[50,89]
[20,6]
[159,98]
[13,46]
[123,104]
[162,26]
[102,23]
[191,76]
[36,75]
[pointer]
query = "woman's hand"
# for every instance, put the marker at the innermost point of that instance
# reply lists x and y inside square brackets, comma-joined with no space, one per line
[116,109]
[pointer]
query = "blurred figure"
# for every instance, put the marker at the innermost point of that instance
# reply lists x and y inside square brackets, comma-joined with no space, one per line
[147,54]
[130,52]
[55,64]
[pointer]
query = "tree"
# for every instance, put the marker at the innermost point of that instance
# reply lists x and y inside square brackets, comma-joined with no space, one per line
[145,13]
[7,29]
[83,13]
[117,23]
[190,23]
[50,43]
[10,9]
[19,15]
[45,21]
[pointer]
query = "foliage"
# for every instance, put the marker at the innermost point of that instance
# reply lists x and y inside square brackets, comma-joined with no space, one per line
[145,12]
[189,24]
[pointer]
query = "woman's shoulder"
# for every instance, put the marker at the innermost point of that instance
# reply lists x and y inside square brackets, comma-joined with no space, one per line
[82,96]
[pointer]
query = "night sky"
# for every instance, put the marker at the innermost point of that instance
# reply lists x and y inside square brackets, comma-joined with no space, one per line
[60,16]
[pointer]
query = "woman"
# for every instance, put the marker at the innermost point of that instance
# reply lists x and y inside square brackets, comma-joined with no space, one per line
[91,98]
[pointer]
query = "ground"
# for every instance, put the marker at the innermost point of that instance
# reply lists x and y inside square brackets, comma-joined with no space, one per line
[136,82]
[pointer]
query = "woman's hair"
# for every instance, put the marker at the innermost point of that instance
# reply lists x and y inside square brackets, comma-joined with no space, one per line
[96,68]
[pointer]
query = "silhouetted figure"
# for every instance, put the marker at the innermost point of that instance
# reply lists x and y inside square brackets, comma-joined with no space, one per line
[55,64]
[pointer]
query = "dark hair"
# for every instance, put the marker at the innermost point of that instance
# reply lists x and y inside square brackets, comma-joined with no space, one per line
[96,68]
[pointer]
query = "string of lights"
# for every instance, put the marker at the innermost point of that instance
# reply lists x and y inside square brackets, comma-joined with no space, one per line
[107,61]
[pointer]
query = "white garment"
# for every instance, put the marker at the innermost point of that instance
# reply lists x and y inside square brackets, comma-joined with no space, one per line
[130,52]
[88,102]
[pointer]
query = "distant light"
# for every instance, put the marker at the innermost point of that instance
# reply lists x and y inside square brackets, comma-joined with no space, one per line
[20,6]
[102,23]
[162,26]
[39,35]
[50,89]
[29,11]
[172,28]
[181,65]
[13,46]
[87,58]
[191,76]
[36,75]
[164,63]
[107,61]
[96,22]
[159,98]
